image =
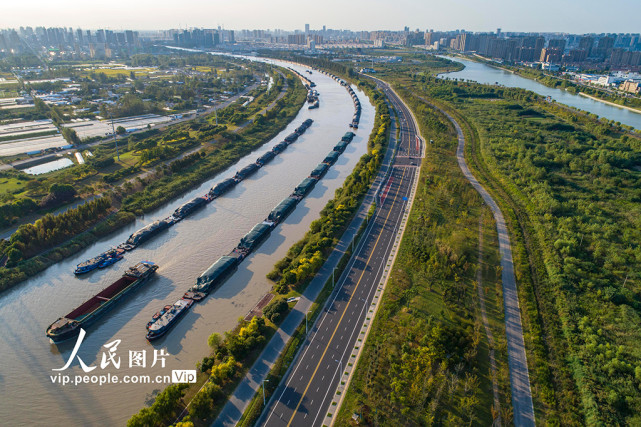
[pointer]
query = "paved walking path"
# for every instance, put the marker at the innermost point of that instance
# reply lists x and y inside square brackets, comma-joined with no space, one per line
[517,359]
[488,331]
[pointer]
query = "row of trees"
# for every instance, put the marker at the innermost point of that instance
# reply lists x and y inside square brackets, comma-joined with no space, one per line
[51,230]
[306,257]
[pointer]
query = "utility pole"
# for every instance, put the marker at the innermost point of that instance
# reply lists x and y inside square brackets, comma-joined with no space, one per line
[264,401]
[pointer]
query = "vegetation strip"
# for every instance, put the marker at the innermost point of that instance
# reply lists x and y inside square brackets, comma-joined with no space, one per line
[424,358]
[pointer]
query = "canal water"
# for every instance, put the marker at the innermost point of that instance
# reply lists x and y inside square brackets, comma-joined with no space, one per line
[483,73]
[183,252]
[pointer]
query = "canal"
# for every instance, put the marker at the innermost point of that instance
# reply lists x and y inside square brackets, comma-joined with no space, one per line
[183,252]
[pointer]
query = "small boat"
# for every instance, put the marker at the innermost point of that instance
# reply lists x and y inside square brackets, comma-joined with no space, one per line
[101,261]
[89,265]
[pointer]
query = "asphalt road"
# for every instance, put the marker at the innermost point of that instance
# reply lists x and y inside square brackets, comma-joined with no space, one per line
[517,359]
[304,395]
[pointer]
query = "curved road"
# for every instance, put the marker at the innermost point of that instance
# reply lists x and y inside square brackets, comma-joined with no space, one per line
[517,359]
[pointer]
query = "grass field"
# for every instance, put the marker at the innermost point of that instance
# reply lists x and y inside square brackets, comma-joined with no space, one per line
[12,185]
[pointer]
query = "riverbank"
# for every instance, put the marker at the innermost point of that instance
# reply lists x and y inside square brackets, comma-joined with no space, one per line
[634,110]
[564,83]
[160,189]
[481,72]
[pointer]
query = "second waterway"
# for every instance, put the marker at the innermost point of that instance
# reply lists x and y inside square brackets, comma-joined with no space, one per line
[483,73]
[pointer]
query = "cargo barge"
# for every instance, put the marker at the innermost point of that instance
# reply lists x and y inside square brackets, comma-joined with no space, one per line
[280,147]
[168,319]
[147,232]
[319,171]
[265,158]
[222,187]
[252,239]
[304,187]
[190,207]
[248,170]
[283,209]
[69,326]
[291,138]
[332,157]
[341,146]
[212,277]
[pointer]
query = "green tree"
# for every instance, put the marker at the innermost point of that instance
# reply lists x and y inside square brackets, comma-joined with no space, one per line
[121,130]
[70,135]
[145,418]
[201,404]
[214,340]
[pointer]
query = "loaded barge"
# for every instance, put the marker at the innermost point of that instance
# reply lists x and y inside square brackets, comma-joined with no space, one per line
[69,326]
[168,319]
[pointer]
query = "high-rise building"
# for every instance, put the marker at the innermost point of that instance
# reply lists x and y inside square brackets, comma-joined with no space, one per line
[129,37]
[306,29]
[558,44]
[468,42]
[603,48]
[586,43]
[79,37]
[551,55]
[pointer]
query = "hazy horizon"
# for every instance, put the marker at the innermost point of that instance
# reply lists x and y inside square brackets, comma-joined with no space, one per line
[560,16]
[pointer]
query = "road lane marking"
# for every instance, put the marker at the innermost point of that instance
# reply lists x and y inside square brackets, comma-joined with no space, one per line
[346,306]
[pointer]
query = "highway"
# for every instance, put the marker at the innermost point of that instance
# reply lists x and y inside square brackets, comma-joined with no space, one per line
[304,395]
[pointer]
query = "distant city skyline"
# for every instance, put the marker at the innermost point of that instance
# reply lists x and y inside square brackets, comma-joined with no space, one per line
[567,16]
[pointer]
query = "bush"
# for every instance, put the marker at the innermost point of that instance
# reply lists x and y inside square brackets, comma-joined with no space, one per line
[274,310]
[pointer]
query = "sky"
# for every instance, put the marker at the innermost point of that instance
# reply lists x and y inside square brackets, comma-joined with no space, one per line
[571,16]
